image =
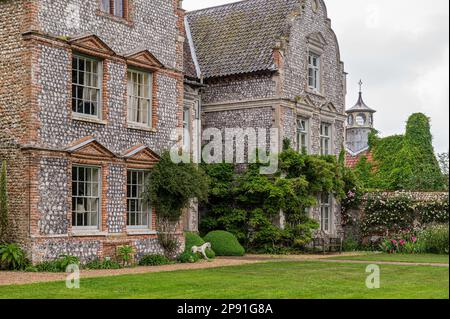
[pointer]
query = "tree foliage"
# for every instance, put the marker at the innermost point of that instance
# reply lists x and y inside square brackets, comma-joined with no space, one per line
[170,189]
[405,162]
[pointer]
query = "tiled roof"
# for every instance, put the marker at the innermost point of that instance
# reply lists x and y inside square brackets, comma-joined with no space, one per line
[189,65]
[239,37]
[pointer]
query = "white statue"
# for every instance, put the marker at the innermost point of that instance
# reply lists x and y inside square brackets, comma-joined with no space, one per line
[202,249]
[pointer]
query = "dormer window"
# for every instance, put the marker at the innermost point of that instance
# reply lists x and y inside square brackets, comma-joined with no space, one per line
[117,8]
[314,66]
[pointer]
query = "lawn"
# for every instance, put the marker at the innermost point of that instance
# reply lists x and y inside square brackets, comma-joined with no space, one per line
[421,258]
[274,280]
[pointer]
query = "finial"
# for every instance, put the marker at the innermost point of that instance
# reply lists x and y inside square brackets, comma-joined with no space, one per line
[360,86]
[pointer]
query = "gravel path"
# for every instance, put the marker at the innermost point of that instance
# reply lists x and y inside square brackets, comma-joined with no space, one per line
[20,278]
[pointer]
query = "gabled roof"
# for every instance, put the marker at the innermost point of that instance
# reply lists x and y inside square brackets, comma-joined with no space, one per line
[240,37]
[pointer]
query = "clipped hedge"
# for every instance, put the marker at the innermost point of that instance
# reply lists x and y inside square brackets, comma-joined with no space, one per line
[224,243]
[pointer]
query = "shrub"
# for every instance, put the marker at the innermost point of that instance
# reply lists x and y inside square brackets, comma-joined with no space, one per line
[154,260]
[126,254]
[58,265]
[350,244]
[12,257]
[66,260]
[107,263]
[435,239]
[192,239]
[188,257]
[49,266]
[224,243]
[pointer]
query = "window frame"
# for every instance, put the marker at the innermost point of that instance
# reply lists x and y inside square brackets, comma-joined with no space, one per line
[187,128]
[323,205]
[99,62]
[138,198]
[317,72]
[99,197]
[327,138]
[112,6]
[305,133]
[151,76]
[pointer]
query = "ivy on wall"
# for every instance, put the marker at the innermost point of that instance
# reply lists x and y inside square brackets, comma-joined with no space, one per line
[403,162]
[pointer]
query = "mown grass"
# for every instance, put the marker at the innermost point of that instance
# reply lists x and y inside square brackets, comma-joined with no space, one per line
[273,280]
[411,258]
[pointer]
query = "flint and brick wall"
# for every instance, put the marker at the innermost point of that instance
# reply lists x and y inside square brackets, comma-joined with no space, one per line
[36,124]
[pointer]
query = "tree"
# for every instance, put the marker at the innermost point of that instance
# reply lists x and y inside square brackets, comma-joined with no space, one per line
[3,204]
[170,189]
[443,163]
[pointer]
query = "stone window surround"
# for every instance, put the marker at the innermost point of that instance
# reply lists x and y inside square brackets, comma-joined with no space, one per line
[307,119]
[330,124]
[316,45]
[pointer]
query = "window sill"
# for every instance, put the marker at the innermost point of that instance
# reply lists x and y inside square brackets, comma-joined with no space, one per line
[88,233]
[138,232]
[125,21]
[81,118]
[139,127]
[316,93]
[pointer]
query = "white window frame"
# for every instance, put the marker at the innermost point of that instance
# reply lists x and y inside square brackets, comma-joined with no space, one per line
[314,72]
[84,197]
[76,85]
[326,213]
[106,7]
[137,97]
[303,132]
[326,139]
[187,127]
[139,199]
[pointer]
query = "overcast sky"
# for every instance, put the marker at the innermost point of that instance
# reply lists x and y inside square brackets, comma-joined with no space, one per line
[400,49]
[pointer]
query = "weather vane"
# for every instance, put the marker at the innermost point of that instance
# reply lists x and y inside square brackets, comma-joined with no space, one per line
[360,85]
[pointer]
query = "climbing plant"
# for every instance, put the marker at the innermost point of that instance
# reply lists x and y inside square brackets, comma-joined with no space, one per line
[248,204]
[3,204]
[405,162]
[170,189]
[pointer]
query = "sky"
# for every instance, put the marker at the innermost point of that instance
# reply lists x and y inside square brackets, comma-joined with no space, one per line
[400,50]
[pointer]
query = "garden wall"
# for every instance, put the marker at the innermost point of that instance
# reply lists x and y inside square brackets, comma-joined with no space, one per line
[380,213]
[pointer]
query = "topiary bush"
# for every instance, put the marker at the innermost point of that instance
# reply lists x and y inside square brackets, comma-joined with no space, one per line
[224,243]
[192,239]
[154,260]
